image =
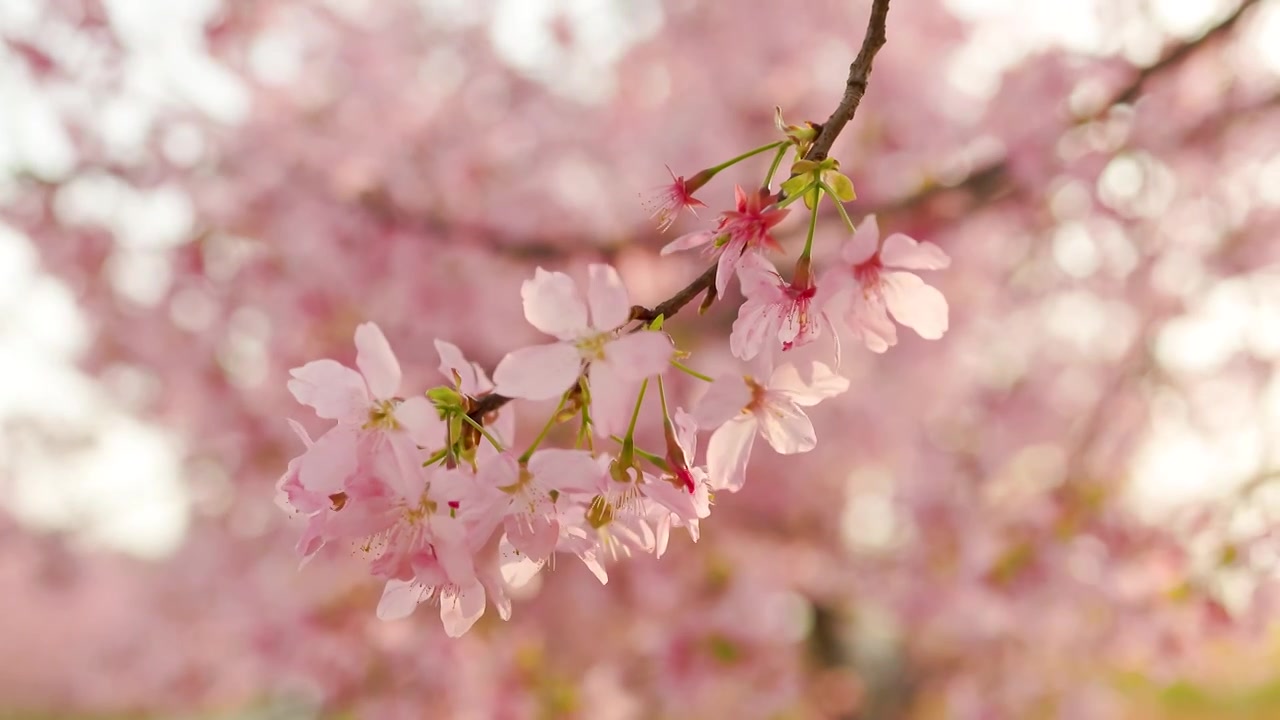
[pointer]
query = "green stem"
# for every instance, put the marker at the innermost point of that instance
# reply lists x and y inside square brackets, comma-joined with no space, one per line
[635,414]
[777,160]
[662,398]
[839,206]
[734,161]
[492,441]
[654,458]
[813,226]
[551,421]
[690,371]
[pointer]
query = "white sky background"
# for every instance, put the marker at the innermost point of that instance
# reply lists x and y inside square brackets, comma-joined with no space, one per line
[126,492]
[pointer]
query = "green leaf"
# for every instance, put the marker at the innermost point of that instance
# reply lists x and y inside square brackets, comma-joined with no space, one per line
[842,186]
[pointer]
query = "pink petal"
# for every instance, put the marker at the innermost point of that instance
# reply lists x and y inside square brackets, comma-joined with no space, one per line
[565,470]
[532,535]
[686,433]
[473,382]
[552,304]
[728,452]
[786,427]
[335,391]
[516,567]
[405,473]
[723,401]
[759,278]
[420,419]
[915,304]
[540,372]
[376,361]
[691,240]
[461,610]
[869,319]
[607,298]
[756,322]
[727,265]
[638,355]
[903,252]
[864,242]
[326,466]
[612,399]
[400,599]
[823,383]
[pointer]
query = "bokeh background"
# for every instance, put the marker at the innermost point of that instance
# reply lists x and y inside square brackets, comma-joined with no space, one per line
[1063,509]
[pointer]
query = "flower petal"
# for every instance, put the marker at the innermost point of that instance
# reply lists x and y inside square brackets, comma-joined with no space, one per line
[472,380]
[863,244]
[460,610]
[786,427]
[377,362]
[612,399]
[335,391]
[516,567]
[823,383]
[915,304]
[904,252]
[533,535]
[727,397]
[552,304]
[400,599]
[728,452]
[756,322]
[540,372]
[565,470]
[607,297]
[420,419]
[325,467]
[638,355]
[690,240]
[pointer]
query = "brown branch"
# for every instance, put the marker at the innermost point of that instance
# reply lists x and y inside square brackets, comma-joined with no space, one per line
[855,88]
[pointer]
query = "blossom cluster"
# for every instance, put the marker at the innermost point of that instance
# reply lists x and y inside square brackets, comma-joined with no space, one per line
[431,487]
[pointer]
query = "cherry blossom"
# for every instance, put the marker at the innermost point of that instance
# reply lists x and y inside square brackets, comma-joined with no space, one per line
[372,421]
[777,313]
[876,281]
[740,407]
[669,200]
[740,233]
[589,333]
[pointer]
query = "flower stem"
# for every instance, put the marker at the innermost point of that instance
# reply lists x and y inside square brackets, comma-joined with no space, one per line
[635,414]
[813,226]
[690,371]
[734,161]
[492,441]
[777,160]
[839,205]
[654,458]
[551,421]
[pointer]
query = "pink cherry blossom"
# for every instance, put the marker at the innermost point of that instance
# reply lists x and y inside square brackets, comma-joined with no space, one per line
[740,407]
[876,279]
[740,233]
[778,313]
[530,515]
[668,200]
[371,420]
[588,330]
